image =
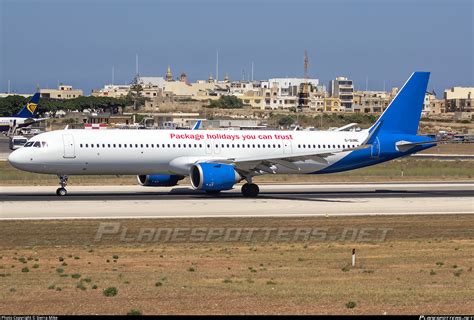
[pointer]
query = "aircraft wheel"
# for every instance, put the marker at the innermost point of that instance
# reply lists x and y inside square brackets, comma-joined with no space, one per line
[250,190]
[61,192]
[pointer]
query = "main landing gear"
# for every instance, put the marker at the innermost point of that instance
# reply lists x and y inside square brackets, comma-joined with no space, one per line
[250,190]
[63,183]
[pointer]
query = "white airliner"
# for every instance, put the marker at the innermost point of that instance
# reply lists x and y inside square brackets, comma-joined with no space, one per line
[217,160]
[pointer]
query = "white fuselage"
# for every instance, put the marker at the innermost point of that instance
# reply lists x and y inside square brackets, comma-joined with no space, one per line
[137,152]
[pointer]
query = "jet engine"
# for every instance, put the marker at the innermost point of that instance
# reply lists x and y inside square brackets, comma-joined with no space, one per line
[213,176]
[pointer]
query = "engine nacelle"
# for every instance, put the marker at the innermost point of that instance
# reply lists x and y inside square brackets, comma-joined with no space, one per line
[213,176]
[159,180]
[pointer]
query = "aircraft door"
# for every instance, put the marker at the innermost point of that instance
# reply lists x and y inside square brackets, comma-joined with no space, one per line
[69,148]
[375,149]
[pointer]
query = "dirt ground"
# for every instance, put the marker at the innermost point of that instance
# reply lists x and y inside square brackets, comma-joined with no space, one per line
[423,265]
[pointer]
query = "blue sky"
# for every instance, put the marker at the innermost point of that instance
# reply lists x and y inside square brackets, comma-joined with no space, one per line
[78,42]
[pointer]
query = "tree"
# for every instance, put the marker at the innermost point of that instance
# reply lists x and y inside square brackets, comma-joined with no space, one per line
[286,121]
[135,93]
[227,102]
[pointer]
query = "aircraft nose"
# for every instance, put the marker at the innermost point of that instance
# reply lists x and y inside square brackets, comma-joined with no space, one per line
[17,159]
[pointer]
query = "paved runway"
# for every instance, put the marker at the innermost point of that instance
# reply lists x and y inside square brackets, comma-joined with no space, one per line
[274,200]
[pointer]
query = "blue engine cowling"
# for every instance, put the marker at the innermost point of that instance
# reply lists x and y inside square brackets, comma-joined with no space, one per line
[213,176]
[159,180]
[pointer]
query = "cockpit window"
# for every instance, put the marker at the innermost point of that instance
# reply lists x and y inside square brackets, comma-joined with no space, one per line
[36,144]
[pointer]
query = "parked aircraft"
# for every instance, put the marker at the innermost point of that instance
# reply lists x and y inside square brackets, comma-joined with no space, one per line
[24,118]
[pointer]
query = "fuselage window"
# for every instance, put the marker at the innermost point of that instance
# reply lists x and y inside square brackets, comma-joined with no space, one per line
[319,146]
[87,145]
[114,145]
[334,146]
[253,146]
[258,145]
[238,145]
[124,145]
[184,145]
[195,145]
[339,146]
[279,146]
[120,145]
[243,145]
[103,145]
[233,146]
[209,146]
[304,146]
[299,146]
[141,145]
[174,146]
[169,146]
[274,146]
[146,145]
[263,145]
[30,143]
[227,145]
[200,145]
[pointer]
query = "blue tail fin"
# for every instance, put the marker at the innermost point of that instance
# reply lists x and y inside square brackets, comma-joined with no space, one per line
[404,112]
[29,110]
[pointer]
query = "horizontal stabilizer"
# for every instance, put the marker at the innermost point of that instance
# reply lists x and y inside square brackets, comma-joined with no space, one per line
[404,146]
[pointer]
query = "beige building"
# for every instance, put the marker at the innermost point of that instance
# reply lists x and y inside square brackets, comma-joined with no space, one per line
[63,92]
[459,99]
[459,93]
[333,104]
[371,101]
[437,106]
[113,91]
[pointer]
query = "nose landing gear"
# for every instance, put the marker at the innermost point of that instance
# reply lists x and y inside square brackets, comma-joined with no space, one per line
[63,183]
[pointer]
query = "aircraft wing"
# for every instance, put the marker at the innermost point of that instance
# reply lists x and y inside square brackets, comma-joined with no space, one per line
[267,164]
[33,120]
